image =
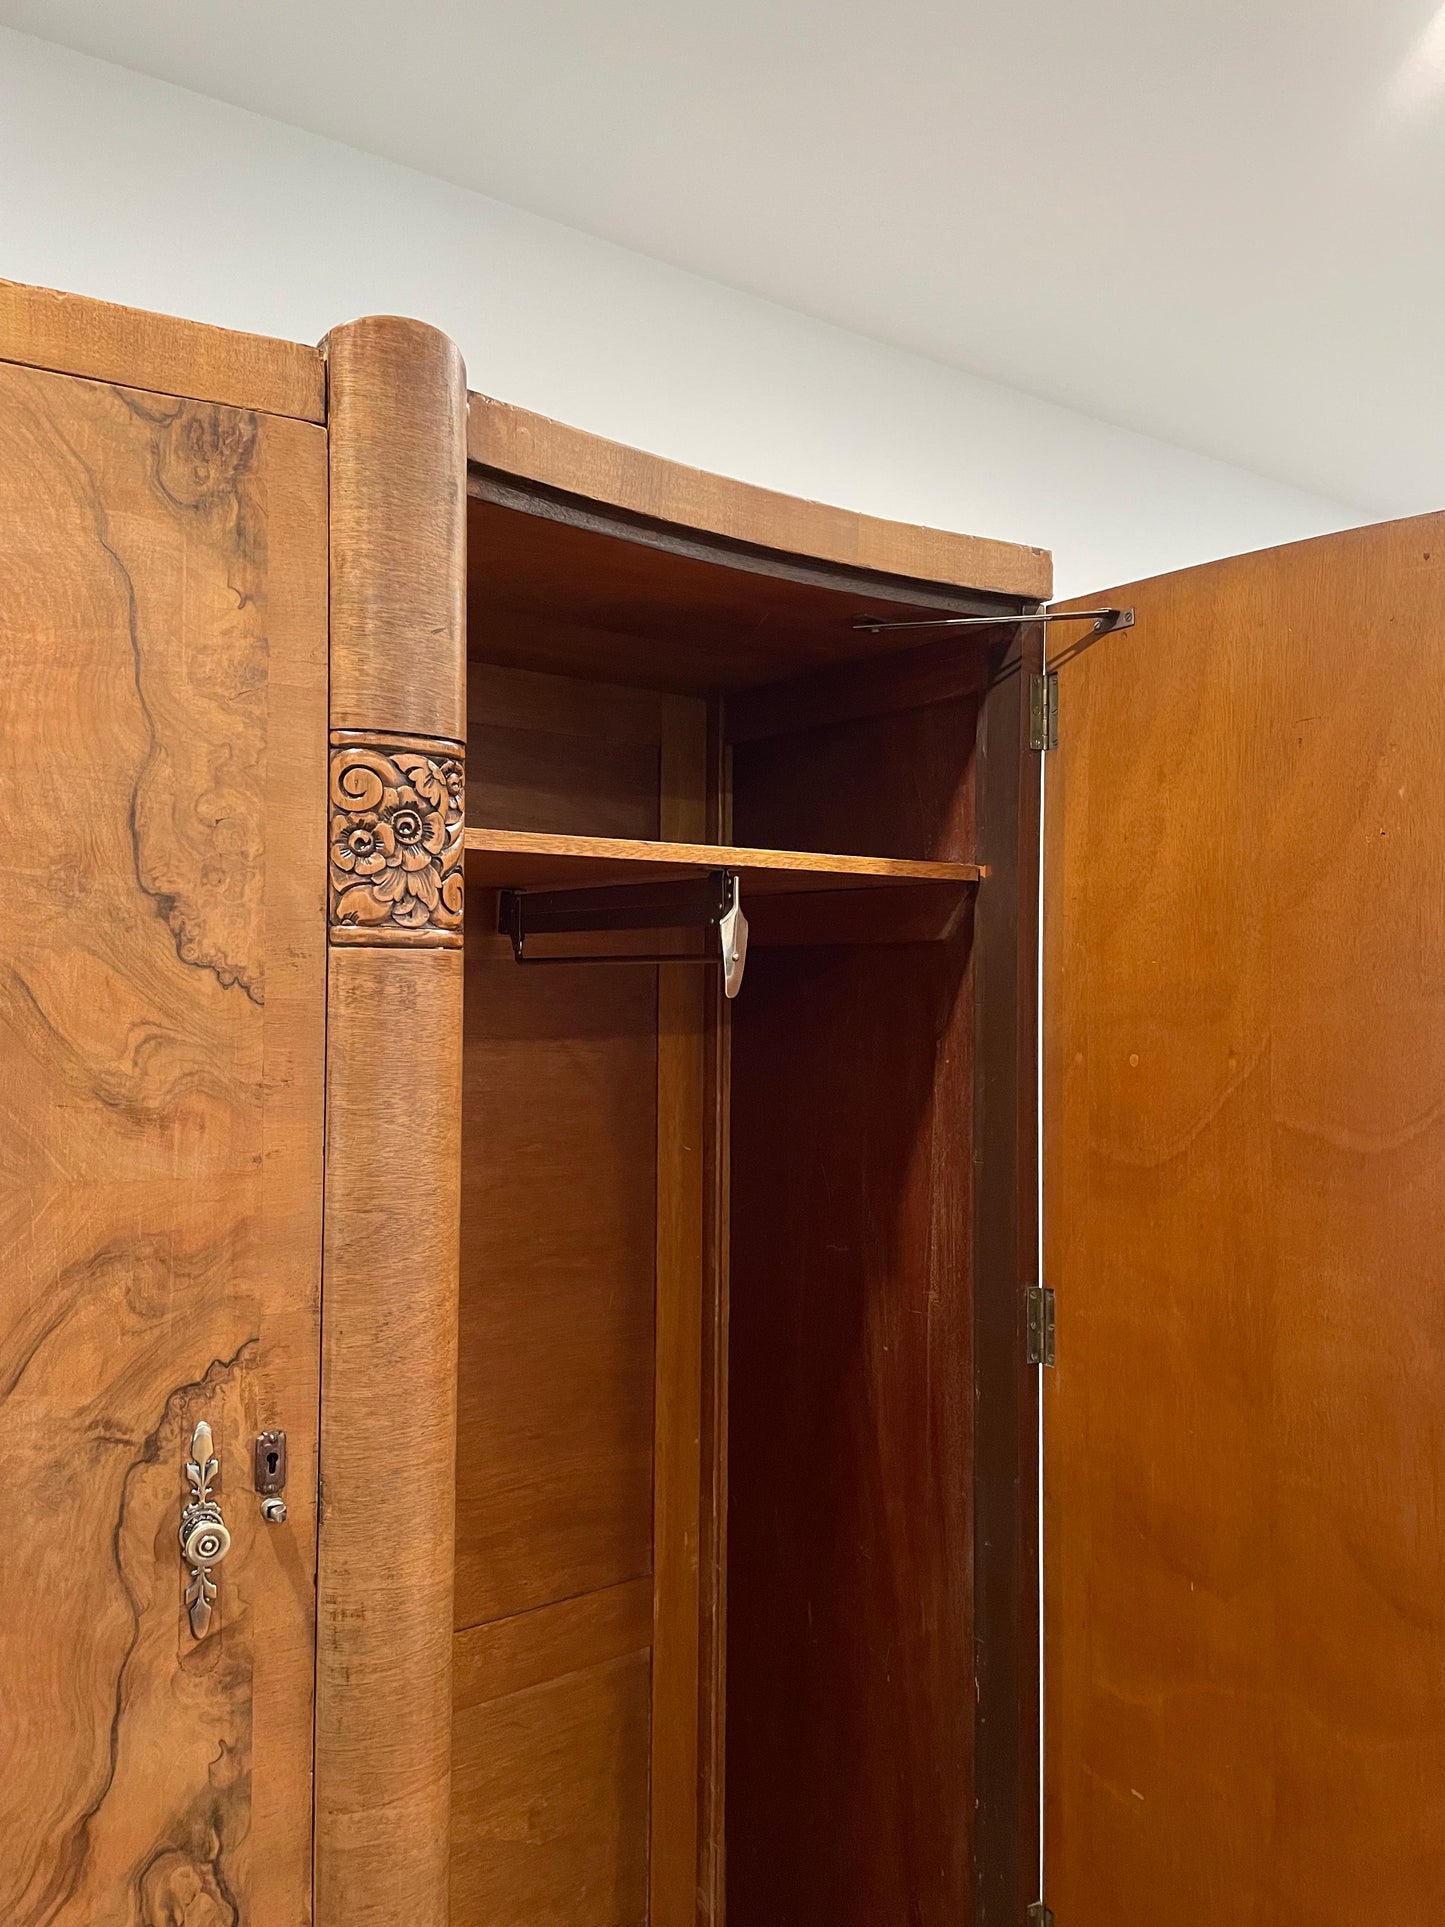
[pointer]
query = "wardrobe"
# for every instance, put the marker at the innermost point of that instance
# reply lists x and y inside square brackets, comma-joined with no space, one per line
[573,1352]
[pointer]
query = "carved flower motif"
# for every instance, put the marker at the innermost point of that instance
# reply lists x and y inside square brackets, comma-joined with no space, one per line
[396,839]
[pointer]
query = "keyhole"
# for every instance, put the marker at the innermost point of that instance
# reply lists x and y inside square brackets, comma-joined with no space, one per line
[273,1459]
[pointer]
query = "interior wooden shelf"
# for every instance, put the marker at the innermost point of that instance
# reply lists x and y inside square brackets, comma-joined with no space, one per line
[525,859]
[791,896]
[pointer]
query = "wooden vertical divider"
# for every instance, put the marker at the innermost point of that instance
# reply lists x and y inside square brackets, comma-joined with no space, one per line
[397,420]
[713,1481]
[682,990]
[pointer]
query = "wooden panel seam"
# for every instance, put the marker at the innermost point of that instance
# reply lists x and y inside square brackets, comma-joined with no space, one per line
[500,1657]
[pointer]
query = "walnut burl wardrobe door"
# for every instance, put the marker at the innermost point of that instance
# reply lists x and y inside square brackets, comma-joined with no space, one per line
[1245,1211]
[162,922]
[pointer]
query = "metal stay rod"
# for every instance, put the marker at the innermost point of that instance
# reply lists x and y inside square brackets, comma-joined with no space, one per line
[1104,620]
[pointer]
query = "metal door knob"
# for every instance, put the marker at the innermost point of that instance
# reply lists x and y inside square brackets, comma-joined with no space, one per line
[205,1539]
[273,1511]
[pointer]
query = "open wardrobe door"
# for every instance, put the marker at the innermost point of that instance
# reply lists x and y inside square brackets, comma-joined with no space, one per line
[1244,1154]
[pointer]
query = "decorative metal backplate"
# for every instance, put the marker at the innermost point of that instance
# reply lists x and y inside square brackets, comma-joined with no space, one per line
[204,1538]
[398,818]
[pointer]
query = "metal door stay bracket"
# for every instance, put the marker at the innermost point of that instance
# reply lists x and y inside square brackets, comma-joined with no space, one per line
[1105,621]
[709,902]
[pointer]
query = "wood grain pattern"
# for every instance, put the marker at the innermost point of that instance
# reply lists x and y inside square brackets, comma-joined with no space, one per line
[71,335]
[581,1318]
[519,443]
[397,393]
[525,699]
[500,858]
[550,1803]
[389,1352]
[1245,1152]
[954,664]
[889,785]
[161,1026]
[540,780]
[567,1636]
[554,1474]
[388,1436]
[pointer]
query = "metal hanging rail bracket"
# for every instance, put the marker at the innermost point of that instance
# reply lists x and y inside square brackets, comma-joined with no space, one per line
[1105,621]
[709,902]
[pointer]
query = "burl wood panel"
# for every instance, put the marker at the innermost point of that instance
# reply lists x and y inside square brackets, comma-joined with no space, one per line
[1245,1543]
[849,1637]
[532,446]
[163,642]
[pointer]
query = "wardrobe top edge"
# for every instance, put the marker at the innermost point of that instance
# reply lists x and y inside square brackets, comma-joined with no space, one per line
[513,441]
[73,334]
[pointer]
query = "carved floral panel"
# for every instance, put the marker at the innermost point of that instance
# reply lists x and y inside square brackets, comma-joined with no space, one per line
[398,816]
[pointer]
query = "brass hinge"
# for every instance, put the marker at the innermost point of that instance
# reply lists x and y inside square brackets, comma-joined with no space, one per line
[1039,1319]
[1044,710]
[1041,1915]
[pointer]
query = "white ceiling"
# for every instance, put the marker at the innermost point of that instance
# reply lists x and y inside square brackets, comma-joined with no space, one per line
[1221,222]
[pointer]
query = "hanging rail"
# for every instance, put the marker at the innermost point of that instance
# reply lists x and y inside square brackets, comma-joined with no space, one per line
[709,902]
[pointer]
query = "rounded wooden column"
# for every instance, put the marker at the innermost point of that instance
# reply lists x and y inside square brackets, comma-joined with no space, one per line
[397,426]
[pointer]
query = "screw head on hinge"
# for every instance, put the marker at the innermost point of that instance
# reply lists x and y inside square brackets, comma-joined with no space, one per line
[1041,1915]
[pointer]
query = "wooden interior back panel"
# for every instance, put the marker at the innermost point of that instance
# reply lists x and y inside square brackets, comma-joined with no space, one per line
[1245,1198]
[849,1636]
[575,1752]
[557,585]
[842,787]
[163,641]
[850,1661]
[549,753]
[554,1494]
[559,1202]
[549,1793]
[542,779]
